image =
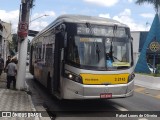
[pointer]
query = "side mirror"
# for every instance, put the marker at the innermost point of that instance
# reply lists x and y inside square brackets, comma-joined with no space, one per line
[65,40]
[62,62]
[62,27]
[62,54]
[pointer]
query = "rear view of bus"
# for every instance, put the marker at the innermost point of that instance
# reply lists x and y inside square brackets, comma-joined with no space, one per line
[98,59]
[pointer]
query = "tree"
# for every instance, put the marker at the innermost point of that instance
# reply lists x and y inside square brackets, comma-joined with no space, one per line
[155,3]
[13,46]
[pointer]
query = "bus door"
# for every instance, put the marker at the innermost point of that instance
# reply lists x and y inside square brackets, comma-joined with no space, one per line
[57,62]
[31,67]
[59,44]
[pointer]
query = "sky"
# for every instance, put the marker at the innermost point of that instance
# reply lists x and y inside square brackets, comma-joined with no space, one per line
[138,18]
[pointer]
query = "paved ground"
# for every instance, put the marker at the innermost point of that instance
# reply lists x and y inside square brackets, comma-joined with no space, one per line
[15,103]
[147,91]
[148,85]
[12,100]
[147,81]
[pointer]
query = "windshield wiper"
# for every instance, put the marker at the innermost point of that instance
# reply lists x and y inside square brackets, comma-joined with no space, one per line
[111,47]
[98,51]
[95,42]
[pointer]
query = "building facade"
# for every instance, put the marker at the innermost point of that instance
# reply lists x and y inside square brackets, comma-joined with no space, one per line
[147,48]
[139,38]
[5,38]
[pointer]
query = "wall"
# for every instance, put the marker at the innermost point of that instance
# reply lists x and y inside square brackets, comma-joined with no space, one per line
[6,38]
[136,38]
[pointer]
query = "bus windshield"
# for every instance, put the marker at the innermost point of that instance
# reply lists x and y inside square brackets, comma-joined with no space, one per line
[106,53]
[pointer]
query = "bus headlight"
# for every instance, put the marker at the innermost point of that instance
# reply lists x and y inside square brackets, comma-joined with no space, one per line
[73,77]
[131,77]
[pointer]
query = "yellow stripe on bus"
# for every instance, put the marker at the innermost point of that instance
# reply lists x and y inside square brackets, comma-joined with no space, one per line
[117,64]
[104,79]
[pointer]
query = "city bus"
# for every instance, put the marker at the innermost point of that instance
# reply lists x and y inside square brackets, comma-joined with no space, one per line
[84,57]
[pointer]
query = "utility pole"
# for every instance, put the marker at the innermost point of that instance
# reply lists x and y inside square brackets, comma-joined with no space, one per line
[26,5]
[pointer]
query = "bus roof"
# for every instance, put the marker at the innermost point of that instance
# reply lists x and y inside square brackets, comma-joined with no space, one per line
[88,19]
[83,19]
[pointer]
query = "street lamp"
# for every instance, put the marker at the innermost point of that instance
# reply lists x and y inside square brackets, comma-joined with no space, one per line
[33,32]
[38,17]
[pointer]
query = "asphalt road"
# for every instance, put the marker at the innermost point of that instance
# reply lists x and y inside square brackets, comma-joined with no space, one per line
[94,109]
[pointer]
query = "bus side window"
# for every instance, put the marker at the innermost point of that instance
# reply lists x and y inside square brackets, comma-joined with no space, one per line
[73,52]
[39,53]
[76,56]
[48,55]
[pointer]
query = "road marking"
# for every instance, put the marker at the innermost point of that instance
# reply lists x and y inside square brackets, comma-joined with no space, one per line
[139,89]
[158,96]
[120,108]
[144,92]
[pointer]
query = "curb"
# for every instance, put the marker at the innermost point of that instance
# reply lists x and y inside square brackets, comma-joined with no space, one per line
[32,105]
[147,81]
[30,100]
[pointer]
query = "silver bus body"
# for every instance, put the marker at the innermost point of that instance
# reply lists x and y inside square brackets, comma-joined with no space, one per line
[122,84]
[73,90]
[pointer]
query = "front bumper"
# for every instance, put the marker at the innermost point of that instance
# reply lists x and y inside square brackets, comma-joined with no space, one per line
[73,90]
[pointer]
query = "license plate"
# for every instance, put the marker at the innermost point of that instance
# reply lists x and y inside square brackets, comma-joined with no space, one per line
[106,95]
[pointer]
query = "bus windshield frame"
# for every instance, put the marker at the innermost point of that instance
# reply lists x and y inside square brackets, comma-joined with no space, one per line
[100,48]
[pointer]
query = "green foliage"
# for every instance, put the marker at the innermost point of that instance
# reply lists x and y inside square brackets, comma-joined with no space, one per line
[13,46]
[155,3]
[15,42]
[158,68]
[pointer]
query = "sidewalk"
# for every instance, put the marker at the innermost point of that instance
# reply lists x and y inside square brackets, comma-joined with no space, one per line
[147,81]
[15,103]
